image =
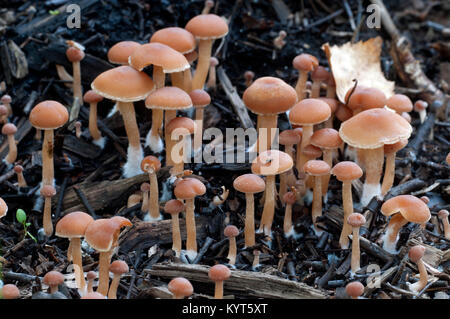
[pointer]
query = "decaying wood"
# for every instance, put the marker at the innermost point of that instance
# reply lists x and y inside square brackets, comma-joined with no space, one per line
[253,284]
[80,147]
[377,281]
[146,234]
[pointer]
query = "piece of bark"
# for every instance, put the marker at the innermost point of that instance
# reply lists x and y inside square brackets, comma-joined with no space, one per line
[253,284]
[80,147]
[379,280]
[373,249]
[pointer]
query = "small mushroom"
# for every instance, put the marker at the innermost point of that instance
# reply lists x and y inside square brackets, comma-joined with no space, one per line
[9,130]
[21,182]
[443,216]
[249,76]
[421,107]
[354,289]
[416,254]
[10,291]
[213,63]
[304,63]
[279,41]
[75,54]
[53,279]
[174,207]
[231,232]
[355,220]
[151,165]
[93,99]
[289,199]
[48,191]
[6,101]
[180,288]
[90,276]
[118,268]
[218,274]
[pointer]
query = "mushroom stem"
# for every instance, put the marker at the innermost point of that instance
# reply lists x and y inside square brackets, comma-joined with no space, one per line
[69,252]
[93,128]
[269,206]
[48,225]
[78,263]
[177,79]
[204,54]
[178,160]
[169,116]
[422,115]
[154,139]
[267,125]
[301,85]
[47,158]
[187,75]
[191,241]
[355,261]
[198,133]
[77,89]
[232,250]
[316,209]
[153,206]
[12,153]
[285,176]
[347,201]
[390,238]
[328,158]
[145,206]
[373,163]
[287,223]
[112,293]
[315,89]
[306,138]
[389,173]
[249,229]
[423,279]
[176,235]
[103,272]
[218,291]
[90,286]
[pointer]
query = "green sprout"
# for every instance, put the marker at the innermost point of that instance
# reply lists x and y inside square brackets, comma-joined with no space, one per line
[21,217]
[53,12]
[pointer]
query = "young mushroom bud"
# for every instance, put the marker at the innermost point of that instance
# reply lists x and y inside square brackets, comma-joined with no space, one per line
[355,220]
[9,130]
[10,291]
[213,63]
[443,216]
[218,274]
[354,289]
[6,101]
[18,169]
[93,99]
[174,207]
[151,165]
[53,279]
[249,76]
[231,232]
[3,114]
[289,199]
[304,63]
[209,4]
[78,129]
[421,107]
[118,268]
[180,288]
[416,254]
[279,41]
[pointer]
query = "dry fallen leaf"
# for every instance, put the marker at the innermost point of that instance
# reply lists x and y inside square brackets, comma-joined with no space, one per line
[359,61]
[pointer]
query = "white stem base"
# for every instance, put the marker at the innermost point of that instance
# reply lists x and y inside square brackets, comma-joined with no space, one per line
[290,233]
[388,245]
[316,230]
[133,165]
[191,254]
[369,191]
[148,218]
[100,142]
[308,198]
[155,142]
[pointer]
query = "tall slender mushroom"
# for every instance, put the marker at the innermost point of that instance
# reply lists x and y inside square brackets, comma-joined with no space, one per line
[404,208]
[164,60]
[90,276]
[180,130]
[317,169]
[218,274]
[307,113]
[73,226]
[346,172]
[318,75]
[187,189]
[249,76]
[206,28]
[267,97]
[200,100]
[355,220]
[145,189]
[3,114]
[369,131]
[180,288]
[118,268]
[93,98]
[9,130]
[289,199]
[443,216]
[389,171]
[174,207]
[151,165]
[126,85]
[48,116]
[304,63]
[48,191]
[416,254]
[270,163]
[231,232]
[249,184]
[75,54]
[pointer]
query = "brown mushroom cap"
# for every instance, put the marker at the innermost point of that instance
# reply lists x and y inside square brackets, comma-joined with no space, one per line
[289,137]
[332,103]
[326,138]
[181,287]
[393,148]
[10,291]
[207,26]
[356,220]
[160,55]
[354,289]
[191,56]
[3,208]
[18,169]
[320,74]
[200,98]
[9,129]
[346,171]
[272,162]
[373,128]
[316,168]
[219,273]
[312,151]
[249,183]
[100,234]
[305,62]
[168,98]
[121,51]
[48,115]
[365,98]
[400,103]
[309,111]
[74,54]
[420,105]
[189,188]
[93,295]
[177,38]
[124,84]
[118,267]
[412,208]
[174,207]
[269,95]
[443,213]
[343,113]
[290,198]
[73,225]
[48,191]
[3,110]
[416,253]
[92,97]
[183,125]
[231,231]
[150,162]
[53,278]
[91,275]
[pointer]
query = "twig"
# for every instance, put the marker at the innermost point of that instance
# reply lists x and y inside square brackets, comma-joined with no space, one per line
[85,201]
[62,191]
[203,250]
